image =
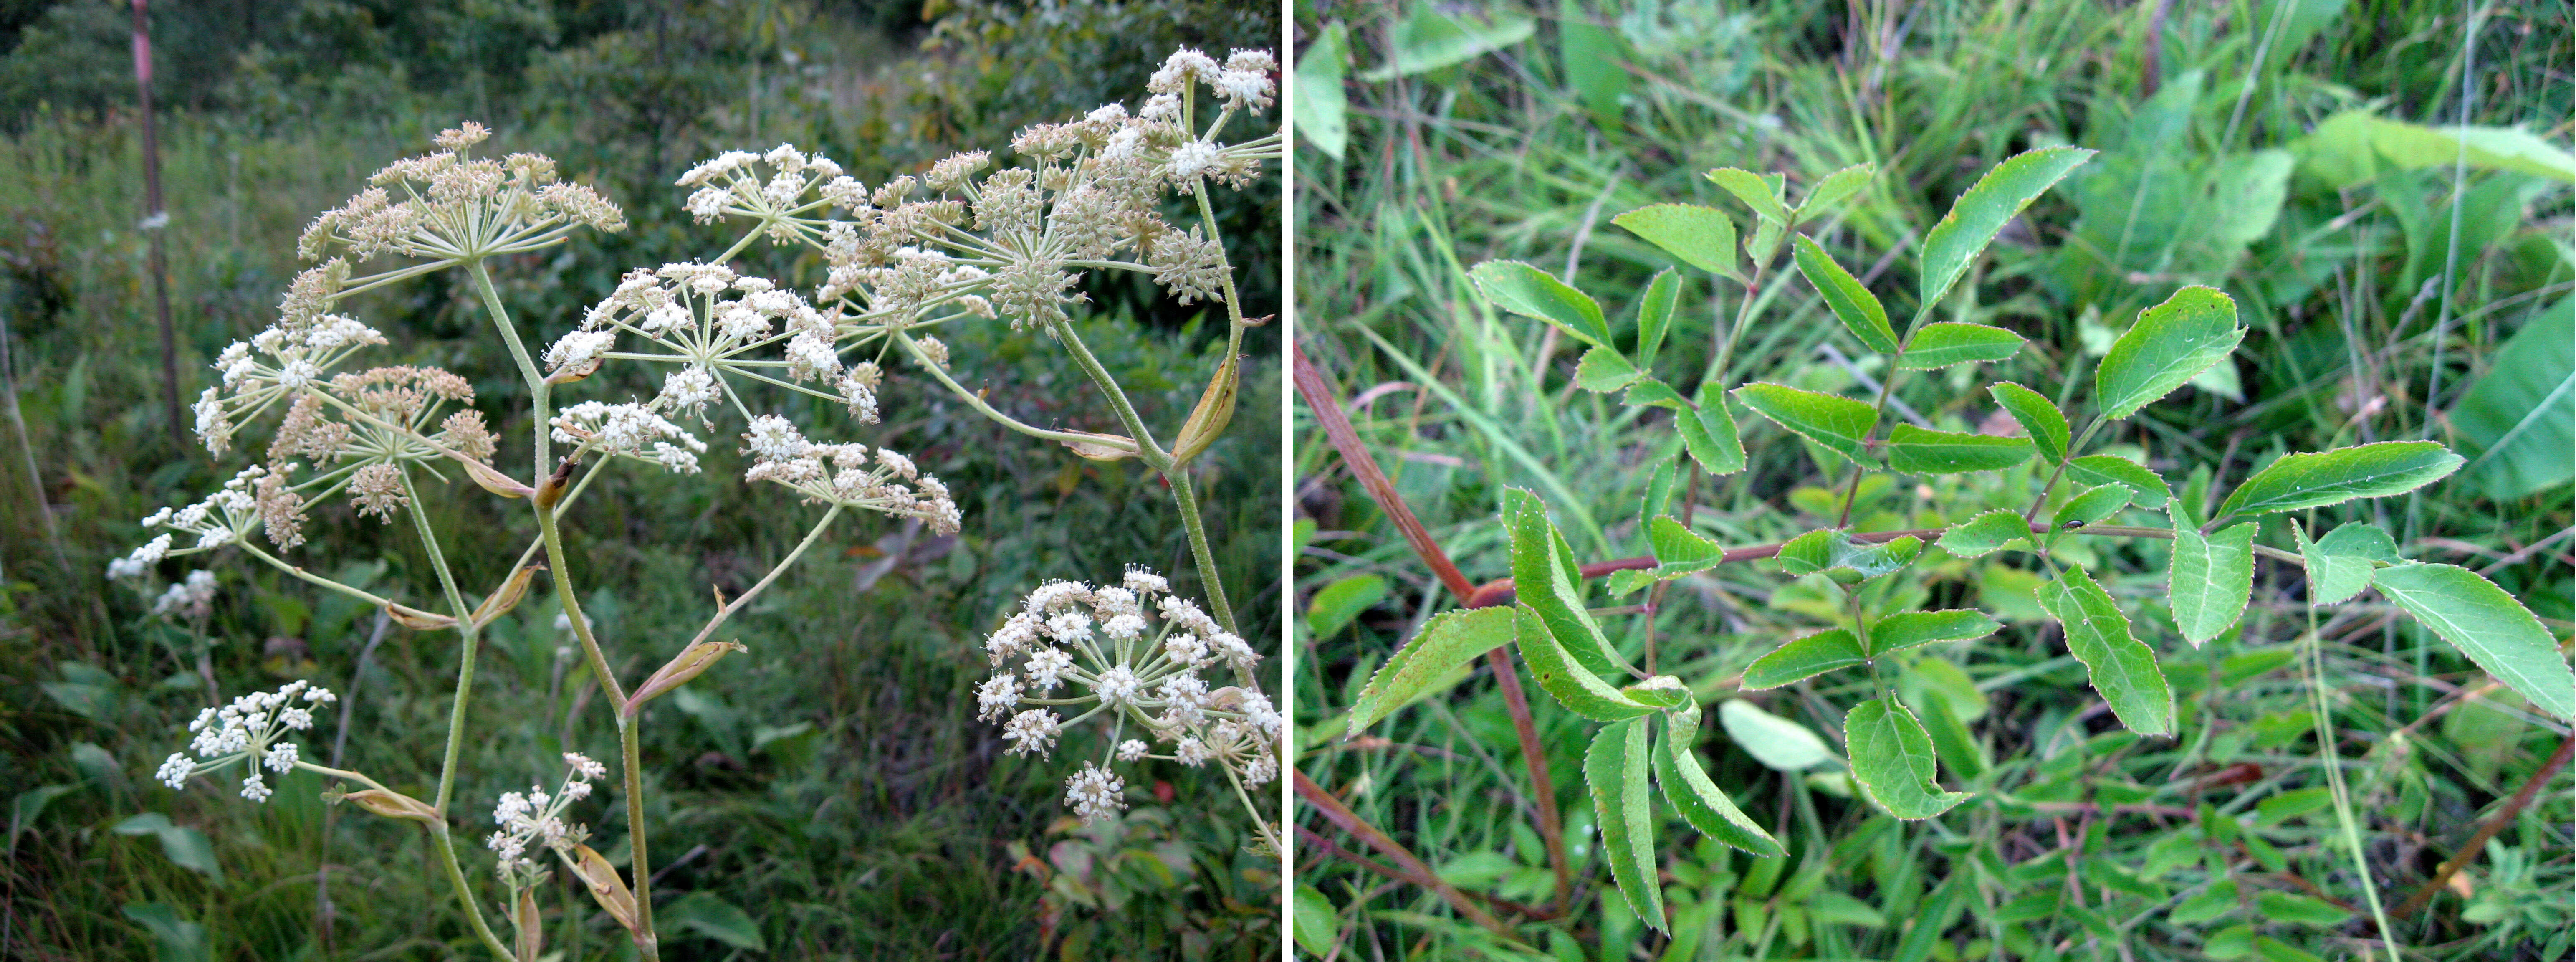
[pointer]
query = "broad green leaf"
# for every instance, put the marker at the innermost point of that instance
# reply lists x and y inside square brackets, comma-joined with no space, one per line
[1778,743]
[1853,303]
[1834,187]
[1318,923]
[1604,370]
[2209,579]
[706,914]
[1450,639]
[1831,550]
[2300,481]
[2489,626]
[2361,539]
[2121,667]
[1914,629]
[2147,488]
[2171,344]
[1708,433]
[1530,292]
[2044,422]
[1763,242]
[1655,314]
[2298,909]
[1687,788]
[2093,505]
[1702,237]
[2355,146]
[1986,534]
[1756,191]
[2520,417]
[2332,577]
[1615,771]
[1841,424]
[1919,451]
[1321,103]
[186,847]
[1804,658]
[1891,758]
[1978,214]
[1662,693]
[1544,580]
[1592,57]
[1429,39]
[1649,392]
[1940,345]
[1336,604]
[1678,551]
[1572,685]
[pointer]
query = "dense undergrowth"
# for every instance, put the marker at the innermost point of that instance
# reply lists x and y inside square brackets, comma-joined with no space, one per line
[2388,299]
[833,796]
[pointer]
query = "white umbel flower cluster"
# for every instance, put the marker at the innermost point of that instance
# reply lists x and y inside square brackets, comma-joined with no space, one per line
[718,342]
[253,727]
[224,517]
[192,598]
[534,819]
[848,475]
[1129,654]
[455,207]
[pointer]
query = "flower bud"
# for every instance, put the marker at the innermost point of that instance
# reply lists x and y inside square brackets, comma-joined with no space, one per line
[696,658]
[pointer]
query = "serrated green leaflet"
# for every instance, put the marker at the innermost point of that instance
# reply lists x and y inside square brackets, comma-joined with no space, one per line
[1708,433]
[2122,668]
[1572,685]
[1649,392]
[1678,551]
[1545,579]
[1655,315]
[1614,769]
[1919,451]
[1687,787]
[1779,744]
[1604,370]
[1834,187]
[2489,626]
[2171,344]
[1530,292]
[1854,304]
[1756,191]
[2147,489]
[1986,534]
[1974,218]
[1937,346]
[1830,549]
[2044,422]
[1701,237]
[1804,658]
[2210,579]
[2332,577]
[1662,692]
[2093,505]
[2361,539]
[2299,481]
[1914,629]
[1841,424]
[1892,760]
[1448,640]
[1659,494]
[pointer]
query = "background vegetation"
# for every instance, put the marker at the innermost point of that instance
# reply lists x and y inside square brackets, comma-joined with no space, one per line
[2388,299]
[829,794]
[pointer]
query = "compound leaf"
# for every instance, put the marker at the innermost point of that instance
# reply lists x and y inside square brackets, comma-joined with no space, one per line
[1839,423]
[2172,343]
[1978,214]
[1615,771]
[1530,292]
[1545,579]
[2489,626]
[1702,237]
[1920,451]
[2121,667]
[1687,788]
[1940,345]
[2210,579]
[2314,480]
[1450,639]
[1804,658]
[1891,758]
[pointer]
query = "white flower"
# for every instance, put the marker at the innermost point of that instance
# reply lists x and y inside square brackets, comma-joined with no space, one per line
[1191,159]
[1145,582]
[1191,752]
[1094,793]
[997,696]
[1072,627]
[176,769]
[772,438]
[1118,686]
[689,388]
[141,558]
[281,757]
[254,789]
[1130,750]
[578,349]
[583,767]
[1031,732]
[1047,667]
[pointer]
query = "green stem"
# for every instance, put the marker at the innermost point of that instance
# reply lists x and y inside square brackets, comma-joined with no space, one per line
[446,849]
[2314,649]
[976,401]
[737,604]
[465,630]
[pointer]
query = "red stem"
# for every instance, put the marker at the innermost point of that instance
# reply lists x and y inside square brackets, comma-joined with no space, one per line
[1334,811]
